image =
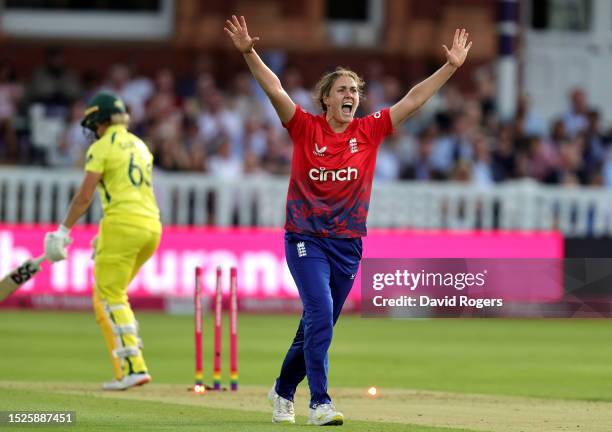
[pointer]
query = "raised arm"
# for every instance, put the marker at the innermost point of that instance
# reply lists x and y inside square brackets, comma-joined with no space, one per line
[421,92]
[269,82]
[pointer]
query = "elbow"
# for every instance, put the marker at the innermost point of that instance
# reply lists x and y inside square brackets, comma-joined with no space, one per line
[416,101]
[276,83]
[276,91]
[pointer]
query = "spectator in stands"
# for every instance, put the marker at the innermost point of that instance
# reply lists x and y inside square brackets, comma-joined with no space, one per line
[165,86]
[50,93]
[441,153]
[453,100]
[170,155]
[595,144]
[528,121]
[473,117]
[223,164]
[166,135]
[482,167]
[448,149]
[205,84]
[11,92]
[164,116]
[558,132]
[570,170]
[255,137]
[91,81]
[405,147]
[461,172]
[388,165]
[606,169]
[183,123]
[243,100]
[194,145]
[252,166]
[277,157]
[188,85]
[54,84]
[486,94]
[392,91]
[374,75]
[575,119]
[134,91]
[216,119]
[503,164]
[423,167]
[73,143]
[198,159]
[540,157]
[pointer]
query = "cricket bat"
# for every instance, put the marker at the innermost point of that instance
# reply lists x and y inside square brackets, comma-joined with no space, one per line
[19,276]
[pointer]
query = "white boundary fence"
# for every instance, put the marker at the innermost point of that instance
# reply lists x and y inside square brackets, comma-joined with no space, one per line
[36,195]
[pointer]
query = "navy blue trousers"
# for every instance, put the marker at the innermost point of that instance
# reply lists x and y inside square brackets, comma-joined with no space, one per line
[324,271]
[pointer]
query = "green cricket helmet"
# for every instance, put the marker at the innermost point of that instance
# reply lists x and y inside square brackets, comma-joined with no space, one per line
[101,108]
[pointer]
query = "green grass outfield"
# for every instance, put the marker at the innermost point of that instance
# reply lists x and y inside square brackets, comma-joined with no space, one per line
[433,375]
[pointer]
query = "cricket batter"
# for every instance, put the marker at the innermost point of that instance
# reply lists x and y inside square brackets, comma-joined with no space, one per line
[120,165]
[334,155]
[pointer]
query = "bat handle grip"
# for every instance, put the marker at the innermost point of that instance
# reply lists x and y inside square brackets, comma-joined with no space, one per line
[36,261]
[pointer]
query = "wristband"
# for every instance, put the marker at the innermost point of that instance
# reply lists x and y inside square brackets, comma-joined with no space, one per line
[63,230]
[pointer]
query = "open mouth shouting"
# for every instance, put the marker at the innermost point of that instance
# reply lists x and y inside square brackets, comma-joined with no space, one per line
[347,108]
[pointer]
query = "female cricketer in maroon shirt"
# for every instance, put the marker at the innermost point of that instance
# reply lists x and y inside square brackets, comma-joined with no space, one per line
[334,155]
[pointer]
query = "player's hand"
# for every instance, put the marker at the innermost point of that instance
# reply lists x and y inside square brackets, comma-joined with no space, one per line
[237,30]
[55,244]
[459,51]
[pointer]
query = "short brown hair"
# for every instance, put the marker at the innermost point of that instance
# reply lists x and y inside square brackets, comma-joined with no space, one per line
[326,82]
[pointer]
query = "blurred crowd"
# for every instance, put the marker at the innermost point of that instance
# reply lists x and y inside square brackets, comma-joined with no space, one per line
[195,123]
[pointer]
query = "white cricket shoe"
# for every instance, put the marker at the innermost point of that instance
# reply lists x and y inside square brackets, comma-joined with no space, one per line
[131,380]
[283,411]
[325,415]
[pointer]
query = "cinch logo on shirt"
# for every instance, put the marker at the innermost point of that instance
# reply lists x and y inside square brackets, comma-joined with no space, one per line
[343,174]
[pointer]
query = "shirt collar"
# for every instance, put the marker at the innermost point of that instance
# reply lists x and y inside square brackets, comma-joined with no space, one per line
[327,127]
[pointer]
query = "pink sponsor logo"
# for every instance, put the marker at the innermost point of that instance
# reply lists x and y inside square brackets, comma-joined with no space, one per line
[257,253]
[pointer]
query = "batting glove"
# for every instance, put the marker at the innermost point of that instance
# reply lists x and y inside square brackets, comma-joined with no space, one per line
[56,242]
